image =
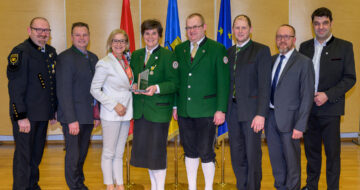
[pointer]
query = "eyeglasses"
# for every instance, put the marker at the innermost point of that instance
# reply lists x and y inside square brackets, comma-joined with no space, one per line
[115,41]
[286,37]
[41,30]
[193,27]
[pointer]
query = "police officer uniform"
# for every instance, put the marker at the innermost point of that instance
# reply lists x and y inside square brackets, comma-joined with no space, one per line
[152,114]
[32,92]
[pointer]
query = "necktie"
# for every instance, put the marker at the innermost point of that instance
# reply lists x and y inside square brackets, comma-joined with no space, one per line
[275,79]
[147,56]
[193,52]
[238,49]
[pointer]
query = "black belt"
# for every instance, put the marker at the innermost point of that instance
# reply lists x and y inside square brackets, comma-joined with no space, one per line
[234,100]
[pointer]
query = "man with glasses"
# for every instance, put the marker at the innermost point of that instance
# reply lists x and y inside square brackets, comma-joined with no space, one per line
[292,91]
[202,100]
[75,70]
[31,74]
[333,60]
[248,103]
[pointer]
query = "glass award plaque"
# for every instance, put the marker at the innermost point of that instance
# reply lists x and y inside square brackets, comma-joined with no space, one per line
[143,81]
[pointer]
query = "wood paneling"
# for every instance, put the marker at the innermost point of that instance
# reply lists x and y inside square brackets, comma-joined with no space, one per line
[104,16]
[15,16]
[52,168]
[346,25]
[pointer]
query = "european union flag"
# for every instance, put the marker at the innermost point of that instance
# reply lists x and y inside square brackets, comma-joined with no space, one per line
[172,31]
[224,37]
[224,27]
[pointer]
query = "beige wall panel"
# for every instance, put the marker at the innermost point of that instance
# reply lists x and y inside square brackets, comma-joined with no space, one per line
[266,16]
[158,10]
[346,25]
[15,17]
[102,17]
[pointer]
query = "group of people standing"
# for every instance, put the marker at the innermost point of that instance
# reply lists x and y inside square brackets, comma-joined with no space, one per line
[200,84]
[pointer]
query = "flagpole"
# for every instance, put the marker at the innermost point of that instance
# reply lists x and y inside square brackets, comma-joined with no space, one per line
[176,185]
[129,185]
[222,185]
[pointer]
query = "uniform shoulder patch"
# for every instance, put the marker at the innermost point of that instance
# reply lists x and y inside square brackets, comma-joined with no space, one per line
[14,60]
[175,64]
[225,59]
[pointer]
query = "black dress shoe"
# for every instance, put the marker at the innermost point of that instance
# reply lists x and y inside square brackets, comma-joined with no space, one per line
[305,188]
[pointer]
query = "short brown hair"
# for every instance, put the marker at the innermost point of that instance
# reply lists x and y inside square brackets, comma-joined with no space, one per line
[196,15]
[79,24]
[111,37]
[291,27]
[151,24]
[242,16]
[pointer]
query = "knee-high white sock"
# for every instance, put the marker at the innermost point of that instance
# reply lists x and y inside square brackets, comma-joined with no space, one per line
[209,173]
[159,178]
[192,165]
[152,180]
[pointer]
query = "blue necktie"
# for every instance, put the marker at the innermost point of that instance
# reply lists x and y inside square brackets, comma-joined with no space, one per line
[275,79]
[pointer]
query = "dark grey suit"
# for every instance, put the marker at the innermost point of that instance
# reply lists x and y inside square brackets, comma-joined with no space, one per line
[292,104]
[74,75]
[336,77]
[251,80]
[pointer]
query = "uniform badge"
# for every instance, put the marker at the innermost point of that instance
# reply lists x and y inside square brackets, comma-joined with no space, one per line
[14,58]
[156,57]
[225,59]
[184,51]
[203,51]
[175,65]
[50,55]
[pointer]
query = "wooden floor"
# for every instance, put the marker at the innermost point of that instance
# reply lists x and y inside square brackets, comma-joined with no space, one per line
[52,168]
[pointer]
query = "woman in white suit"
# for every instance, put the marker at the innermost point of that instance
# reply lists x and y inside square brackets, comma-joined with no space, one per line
[110,86]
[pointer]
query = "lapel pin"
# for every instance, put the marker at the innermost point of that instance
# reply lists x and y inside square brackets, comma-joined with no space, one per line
[203,51]
[156,57]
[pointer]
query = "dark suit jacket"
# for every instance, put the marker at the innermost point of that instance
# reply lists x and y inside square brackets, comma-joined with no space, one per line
[73,78]
[204,82]
[252,80]
[32,82]
[337,73]
[294,93]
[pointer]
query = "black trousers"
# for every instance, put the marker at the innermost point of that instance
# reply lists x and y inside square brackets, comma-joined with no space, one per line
[245,151]
[323,129]
[285,155]
[76,147]
[197,136]
[29,148]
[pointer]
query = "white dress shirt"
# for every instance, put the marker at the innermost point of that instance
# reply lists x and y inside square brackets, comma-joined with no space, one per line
[316,59]
[285,60]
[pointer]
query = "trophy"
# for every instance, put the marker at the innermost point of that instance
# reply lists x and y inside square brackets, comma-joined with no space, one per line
[143,81]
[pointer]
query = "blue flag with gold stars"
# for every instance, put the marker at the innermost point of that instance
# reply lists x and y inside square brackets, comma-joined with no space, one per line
[224,27]
[172,31]
[224,37]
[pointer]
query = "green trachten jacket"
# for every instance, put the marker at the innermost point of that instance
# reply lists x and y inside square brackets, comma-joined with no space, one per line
[204,82]
[163,72]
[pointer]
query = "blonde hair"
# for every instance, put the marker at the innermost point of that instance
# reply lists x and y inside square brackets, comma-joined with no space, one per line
[111,37]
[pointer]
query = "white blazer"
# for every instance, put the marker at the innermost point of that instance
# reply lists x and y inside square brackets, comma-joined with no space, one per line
[110,86]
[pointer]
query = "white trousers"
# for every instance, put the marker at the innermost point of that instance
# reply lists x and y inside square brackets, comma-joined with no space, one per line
[114,135]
